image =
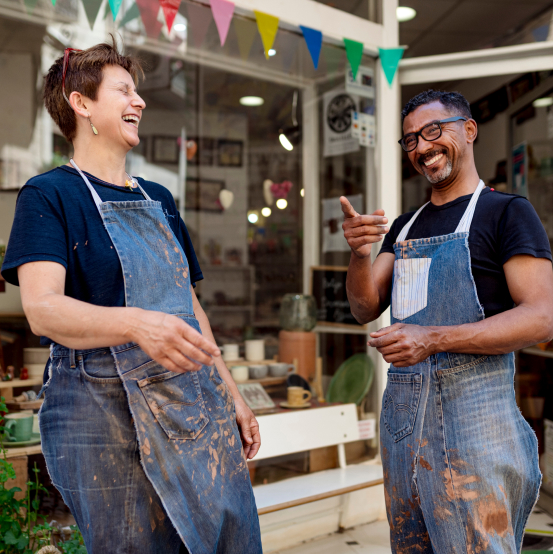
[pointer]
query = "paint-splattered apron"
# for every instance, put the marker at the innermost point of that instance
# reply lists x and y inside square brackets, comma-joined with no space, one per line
[183,430]
[460,462]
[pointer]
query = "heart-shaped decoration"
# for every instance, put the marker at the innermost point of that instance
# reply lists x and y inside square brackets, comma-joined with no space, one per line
[226,197]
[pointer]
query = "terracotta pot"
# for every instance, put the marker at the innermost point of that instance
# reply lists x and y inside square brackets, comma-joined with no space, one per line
[300,346]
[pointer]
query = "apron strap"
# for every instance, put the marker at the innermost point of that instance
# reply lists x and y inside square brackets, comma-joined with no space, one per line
[466,220]
[97,199]
[464,224]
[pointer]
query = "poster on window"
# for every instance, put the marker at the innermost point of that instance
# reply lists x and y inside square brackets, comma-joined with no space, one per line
[520,169]
[338,107]
[333,217]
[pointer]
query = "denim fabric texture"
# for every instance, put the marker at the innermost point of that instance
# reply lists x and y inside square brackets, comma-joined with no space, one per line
[145,458]
[461,470]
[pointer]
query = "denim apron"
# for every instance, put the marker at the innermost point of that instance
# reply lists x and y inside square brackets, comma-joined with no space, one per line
[460,462]
[146,458]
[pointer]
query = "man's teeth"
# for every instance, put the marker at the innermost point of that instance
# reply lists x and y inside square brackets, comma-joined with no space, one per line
[131,119]
[432,160]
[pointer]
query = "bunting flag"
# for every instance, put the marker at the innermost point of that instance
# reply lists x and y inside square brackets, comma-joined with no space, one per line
[149,10]
[246,32]
[132,13]
[115,5]
[333,57]
[268,28]
[389,60]
[91,8]
[222,10]
[170,9]
[354,52]
[30,5]
[314,41]
[541,33]
[199,19]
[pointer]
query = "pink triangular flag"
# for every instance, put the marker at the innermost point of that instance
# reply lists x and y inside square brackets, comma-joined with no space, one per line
[170,9]
[223,10]
[200,19]
[148,12]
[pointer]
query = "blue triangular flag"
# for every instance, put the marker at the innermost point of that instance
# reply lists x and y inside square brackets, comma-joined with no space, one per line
[314,41]
[541,33]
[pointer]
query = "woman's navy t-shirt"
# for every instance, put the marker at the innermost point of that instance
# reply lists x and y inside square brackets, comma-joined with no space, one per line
[56,220]
[503,226]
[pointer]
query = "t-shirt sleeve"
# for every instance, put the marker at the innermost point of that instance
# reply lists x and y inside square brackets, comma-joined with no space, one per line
[38,233]
[184,239]
[520,231]
[391,238]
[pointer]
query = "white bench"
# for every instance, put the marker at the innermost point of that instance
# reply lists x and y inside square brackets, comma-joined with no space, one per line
[302,430]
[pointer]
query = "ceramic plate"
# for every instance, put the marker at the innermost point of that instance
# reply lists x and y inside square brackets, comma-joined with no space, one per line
[286,405]
[35,439]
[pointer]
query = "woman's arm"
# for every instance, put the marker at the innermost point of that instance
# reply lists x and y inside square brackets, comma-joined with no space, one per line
[79,325]
[249,428]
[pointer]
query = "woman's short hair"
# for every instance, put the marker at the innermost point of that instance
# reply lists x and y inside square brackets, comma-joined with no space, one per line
[84,74]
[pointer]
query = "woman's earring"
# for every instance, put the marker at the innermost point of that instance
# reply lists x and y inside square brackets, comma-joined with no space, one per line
[94,130]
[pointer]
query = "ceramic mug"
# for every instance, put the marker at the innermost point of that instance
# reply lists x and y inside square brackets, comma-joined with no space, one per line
[230,352]
[298,396]
[258,371]
[280,369]
[255,350]
[19,426]
[239,373]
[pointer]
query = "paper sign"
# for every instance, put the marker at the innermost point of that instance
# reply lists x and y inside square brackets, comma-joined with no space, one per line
[338,107]
[362,84]
[367,129]
[367,429]
[333,217]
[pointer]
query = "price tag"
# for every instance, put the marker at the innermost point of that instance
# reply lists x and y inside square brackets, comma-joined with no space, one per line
[367,429]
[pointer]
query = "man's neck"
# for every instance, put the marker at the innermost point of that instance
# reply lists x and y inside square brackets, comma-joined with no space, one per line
[461,185]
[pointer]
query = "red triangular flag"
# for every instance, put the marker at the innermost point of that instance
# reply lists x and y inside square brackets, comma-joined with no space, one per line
[199,19]
[148,12]
[170,9]
[223,10]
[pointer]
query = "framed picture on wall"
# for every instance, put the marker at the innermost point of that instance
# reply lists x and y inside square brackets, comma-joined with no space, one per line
[206,151]
[229,153]
[203,195]
[165,150]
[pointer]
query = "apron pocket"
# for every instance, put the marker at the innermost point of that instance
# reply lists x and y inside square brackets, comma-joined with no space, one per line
[176,401]
[401,401]
[410,289]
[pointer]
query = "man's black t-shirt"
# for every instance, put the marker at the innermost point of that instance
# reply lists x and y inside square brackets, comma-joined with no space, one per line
[503,226]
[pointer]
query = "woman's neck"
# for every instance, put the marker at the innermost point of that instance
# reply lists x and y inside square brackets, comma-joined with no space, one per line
[103,162]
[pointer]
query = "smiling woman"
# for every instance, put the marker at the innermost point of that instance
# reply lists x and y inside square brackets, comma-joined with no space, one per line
[137,400]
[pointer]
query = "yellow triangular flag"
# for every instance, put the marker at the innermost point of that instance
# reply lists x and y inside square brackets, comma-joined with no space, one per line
[268,28]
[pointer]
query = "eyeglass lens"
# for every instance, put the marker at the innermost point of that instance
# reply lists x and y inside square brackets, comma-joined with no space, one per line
[430,132]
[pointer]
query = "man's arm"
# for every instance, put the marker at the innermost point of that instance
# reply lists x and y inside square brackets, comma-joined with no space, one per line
[368,284]
[530,282]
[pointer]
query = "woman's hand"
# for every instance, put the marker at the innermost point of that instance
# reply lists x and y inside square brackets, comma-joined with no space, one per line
[248,427]
[171,342]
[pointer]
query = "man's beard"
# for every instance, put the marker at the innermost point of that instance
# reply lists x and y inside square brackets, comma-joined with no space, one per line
[441,175]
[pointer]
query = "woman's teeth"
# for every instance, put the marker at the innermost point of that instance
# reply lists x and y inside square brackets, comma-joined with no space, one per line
[132,119]
[432,160]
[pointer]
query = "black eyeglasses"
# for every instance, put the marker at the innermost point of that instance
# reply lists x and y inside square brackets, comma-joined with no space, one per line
[432,131]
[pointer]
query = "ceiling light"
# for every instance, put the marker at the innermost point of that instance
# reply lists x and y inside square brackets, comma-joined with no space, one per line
[404,13]
[179,27]
[272,52]
[543,102]
[302,193]
[285,142]
[252,101]
[253,217]
[281,203]
[266,212]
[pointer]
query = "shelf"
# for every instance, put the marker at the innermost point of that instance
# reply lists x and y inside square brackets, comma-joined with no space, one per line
[228,308]
[343,330]
[31,382]
[535,351]
[23,450]
[267,382]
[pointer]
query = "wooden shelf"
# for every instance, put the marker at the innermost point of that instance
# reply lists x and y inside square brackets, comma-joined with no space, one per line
[228,308]
[535,351]
[30,382]
[24,450]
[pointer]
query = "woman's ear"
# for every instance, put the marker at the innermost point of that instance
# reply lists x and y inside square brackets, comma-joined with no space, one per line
[79,104]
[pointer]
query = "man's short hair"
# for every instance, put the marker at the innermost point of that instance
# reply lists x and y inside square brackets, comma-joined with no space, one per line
[455,102]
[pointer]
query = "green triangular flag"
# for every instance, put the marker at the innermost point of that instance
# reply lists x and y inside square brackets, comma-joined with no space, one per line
[115,5]
[91,8]
[30,5]
[389,60]
[132,13]
[354,52]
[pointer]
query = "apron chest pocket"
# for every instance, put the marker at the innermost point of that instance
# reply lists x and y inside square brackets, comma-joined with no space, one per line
[176,402]
[401,401]
[410,289]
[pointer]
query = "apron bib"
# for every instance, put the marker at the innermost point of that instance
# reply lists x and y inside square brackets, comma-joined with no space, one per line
[460,462]
[190,446]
